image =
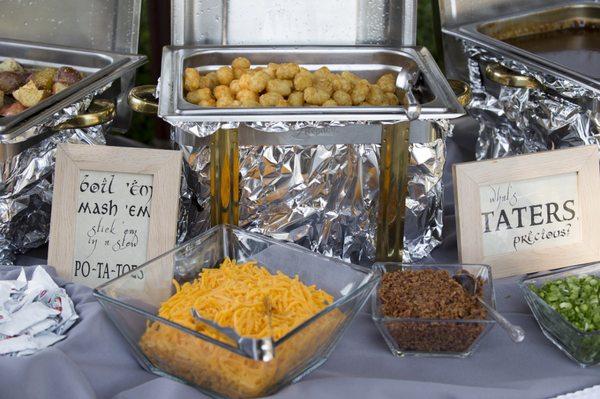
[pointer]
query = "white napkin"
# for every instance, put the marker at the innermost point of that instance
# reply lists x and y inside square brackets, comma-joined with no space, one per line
[34,314]
[588,393]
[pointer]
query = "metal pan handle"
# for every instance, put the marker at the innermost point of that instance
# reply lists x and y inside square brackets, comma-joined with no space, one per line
[506,77]
[142,99]
[462,90]
[99,112]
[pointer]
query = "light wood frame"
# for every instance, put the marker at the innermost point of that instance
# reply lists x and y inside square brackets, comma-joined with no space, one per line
[469,176]
[163,165]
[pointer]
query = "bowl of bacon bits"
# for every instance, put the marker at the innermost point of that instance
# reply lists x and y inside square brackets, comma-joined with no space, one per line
[422,310]
[234,313]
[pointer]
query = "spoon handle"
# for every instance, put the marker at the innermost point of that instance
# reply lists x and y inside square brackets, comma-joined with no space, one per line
[517,334]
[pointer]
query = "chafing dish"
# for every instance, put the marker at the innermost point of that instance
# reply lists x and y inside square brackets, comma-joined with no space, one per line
[534,71]
[94,40]
[326,178]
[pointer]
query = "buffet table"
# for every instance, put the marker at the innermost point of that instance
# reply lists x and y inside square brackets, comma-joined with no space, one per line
[94,361]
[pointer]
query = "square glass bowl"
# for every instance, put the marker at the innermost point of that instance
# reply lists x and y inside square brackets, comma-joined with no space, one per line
[433,337]
[582,347]
[254,367]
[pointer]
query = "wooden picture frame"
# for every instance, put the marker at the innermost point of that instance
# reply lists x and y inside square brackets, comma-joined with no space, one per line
[158,219]
[556,196]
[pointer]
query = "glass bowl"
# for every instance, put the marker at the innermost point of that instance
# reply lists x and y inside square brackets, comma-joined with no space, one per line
[582,347]
[433,337]
[258,367]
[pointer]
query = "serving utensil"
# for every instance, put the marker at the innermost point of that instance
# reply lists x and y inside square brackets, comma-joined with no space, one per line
[468,283]
[261,349]
[405,82]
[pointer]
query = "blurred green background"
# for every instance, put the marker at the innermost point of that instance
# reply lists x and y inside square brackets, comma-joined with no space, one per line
[143,127]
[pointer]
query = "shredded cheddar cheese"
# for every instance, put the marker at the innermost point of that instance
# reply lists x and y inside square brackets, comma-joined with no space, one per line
[233,295]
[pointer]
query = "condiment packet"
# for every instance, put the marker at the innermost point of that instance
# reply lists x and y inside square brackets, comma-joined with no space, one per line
[34,314]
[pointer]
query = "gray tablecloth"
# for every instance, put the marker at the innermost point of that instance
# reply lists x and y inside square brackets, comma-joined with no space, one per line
[94,361]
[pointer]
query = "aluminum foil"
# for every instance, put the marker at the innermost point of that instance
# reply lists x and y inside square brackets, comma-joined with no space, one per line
[324,197]
[519,121]
[26,182]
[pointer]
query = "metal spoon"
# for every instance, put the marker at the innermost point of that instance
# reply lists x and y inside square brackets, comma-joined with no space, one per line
[517,334]
[257,348]
[405,82]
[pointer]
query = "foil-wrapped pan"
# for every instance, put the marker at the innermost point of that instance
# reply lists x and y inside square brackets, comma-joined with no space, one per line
[26,180]
[554,113]
[324,197]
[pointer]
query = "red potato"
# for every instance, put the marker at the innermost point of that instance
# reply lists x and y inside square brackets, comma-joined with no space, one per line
[12,109]
[10,81]
[67,75]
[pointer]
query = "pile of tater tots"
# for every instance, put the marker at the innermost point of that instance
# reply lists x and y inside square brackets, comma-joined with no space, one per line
[285,85]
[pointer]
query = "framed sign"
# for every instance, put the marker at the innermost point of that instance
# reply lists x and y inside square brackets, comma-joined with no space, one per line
[113,208]
[530,212]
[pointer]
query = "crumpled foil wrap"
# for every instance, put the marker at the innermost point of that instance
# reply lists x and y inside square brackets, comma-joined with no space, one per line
[323,197]
[519,121]
[26,182]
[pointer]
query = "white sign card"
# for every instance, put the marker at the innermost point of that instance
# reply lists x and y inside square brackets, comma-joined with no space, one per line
[531,212]
[107,215]
[112,223]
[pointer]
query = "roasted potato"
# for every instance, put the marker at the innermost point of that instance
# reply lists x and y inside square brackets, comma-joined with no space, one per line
[1,98]
[10,65]
[29,95]
[43,78]
[12,109]
[11,81]
[57,87]
[67,75]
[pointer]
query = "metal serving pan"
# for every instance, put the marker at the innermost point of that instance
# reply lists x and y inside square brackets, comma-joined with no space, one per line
[291,22]
[93,64]
[435,95]
[560,40]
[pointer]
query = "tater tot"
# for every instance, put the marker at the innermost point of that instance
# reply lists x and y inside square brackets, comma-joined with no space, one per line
[342,98]
[238,72]
[223,91]
[234,86]
[241,62]
[282,103]
[324,84]
[191,79]
[213,78]
[387,83]
[199,95]
[246,95]
[330,103]
[206,82]
[210,102]
[365,104]
[225,102]
[280,86]
[287,71]
[376,96]
[391,99]
[270,99]
[302,80]
[350,76]
[271,69]
[225,75]
[245,81]
[322,72]
[258,81]
[296,99]
[249,103]
[360,92]
[315,96]
[342,84]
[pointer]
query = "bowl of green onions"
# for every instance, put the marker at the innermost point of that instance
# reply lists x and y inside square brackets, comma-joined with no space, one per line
[566,305]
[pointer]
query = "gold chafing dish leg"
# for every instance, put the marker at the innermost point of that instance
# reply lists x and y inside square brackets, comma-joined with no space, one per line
[224,177]
[393,187]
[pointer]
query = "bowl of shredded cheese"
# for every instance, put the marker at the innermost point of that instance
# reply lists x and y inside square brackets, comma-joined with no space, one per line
[234,313]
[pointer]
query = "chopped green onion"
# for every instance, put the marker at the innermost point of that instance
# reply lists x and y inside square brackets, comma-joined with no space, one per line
[576,298]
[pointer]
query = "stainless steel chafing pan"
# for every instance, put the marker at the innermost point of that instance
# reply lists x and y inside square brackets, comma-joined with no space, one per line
[367,61]
[561,40]
[93,64]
